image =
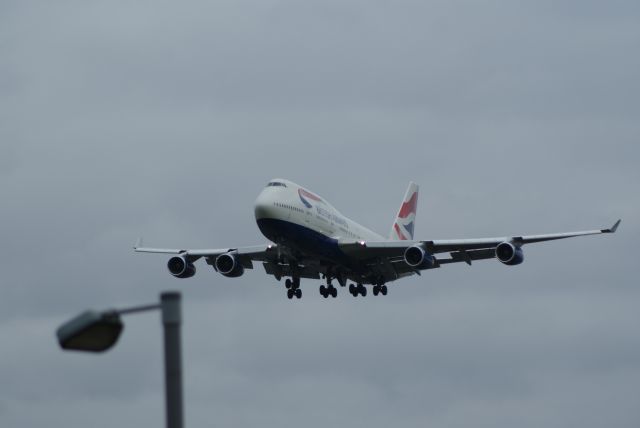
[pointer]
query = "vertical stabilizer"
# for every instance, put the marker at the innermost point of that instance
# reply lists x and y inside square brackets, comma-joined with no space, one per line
[404,223]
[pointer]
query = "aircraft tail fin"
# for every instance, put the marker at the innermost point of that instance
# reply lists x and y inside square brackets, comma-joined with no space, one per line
[404,223]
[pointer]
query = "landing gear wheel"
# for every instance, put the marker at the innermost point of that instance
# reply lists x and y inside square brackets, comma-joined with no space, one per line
[383,290]
[290,293]
[324,292]
[362,290]
[298,293]
[334,292]
[352,290]
[287,284]
[376,290]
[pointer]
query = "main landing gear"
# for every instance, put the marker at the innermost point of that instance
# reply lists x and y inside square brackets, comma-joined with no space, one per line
[377,289]
[357,289]
[360,289]
[293,288]
[328,290]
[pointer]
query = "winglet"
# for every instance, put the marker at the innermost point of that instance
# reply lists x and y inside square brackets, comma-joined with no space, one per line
[613,228]
[138,243]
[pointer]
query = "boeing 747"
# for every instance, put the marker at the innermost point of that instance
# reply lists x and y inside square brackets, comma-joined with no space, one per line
[311,239]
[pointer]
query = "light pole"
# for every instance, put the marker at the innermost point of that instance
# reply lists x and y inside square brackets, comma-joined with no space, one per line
[94,331]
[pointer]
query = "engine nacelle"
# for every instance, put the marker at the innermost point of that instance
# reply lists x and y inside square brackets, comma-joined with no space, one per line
[228,265]
[418,258]
[509,254]
[180,267]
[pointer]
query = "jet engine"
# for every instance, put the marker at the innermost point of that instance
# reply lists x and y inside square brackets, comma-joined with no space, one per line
[418,258]
[180,267]
[228,265]
[509,254]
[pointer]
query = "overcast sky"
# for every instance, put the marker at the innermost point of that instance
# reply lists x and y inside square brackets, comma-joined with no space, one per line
[166,119]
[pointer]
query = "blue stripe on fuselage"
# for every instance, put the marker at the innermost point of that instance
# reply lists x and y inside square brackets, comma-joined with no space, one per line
[303,238]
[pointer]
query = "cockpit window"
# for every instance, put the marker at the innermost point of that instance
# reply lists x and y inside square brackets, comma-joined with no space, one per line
[276,184]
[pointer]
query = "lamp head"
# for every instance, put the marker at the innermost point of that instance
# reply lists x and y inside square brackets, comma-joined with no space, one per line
[91,331]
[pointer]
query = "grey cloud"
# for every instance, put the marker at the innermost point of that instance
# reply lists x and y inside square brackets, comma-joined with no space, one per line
[164,121]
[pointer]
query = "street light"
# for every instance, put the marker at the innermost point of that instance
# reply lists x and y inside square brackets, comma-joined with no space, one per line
[94,331]
[91,331]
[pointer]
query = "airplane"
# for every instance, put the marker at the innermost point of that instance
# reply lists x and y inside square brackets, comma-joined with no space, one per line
[311,239]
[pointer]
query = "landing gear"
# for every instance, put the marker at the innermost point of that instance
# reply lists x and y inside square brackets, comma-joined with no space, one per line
[357,289]
[293,288]
[297,293]
[328,290]
[379,289]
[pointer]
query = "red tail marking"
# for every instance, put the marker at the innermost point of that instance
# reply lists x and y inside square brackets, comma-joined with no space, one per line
[409,206]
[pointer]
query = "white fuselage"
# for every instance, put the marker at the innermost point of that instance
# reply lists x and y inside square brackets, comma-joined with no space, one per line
[289,214]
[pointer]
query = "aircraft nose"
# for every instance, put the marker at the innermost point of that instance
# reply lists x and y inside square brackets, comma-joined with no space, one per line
[263,207]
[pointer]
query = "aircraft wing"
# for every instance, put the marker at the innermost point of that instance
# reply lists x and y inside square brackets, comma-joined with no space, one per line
[442,246]
[246,255]
[460,250]
[385,258]
[268,254]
